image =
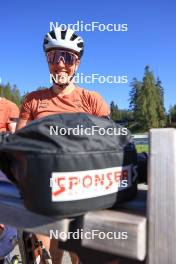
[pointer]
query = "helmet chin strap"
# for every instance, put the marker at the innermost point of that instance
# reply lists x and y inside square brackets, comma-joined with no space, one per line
[60,86]
[64,85]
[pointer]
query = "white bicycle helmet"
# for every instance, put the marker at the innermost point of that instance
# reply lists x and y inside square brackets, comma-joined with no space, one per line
[67,39]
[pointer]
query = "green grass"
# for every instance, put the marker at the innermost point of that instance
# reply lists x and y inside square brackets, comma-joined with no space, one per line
[141,148]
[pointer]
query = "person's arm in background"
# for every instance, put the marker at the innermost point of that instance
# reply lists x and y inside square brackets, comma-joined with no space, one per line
[12,126]
[13,117]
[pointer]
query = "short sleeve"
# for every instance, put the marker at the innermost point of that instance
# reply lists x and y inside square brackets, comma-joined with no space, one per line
[99,106]
[13,112]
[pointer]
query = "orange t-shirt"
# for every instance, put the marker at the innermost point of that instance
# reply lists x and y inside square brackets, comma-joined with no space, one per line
[45,102]
[9,112]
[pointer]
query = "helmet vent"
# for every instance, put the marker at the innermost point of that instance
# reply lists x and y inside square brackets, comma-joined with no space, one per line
[63,33]
[52,34]
[73,37]
[80,45]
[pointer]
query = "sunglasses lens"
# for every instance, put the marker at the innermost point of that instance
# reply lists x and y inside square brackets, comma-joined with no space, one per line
[68,58]
[54,57]
[50,57]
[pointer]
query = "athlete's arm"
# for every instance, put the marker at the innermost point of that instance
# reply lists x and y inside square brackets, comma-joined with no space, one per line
[25,112]
[21,123]
[99,106]
[13,117]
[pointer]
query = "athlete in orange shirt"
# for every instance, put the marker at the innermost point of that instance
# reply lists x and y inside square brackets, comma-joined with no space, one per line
[9,113]
[63,50]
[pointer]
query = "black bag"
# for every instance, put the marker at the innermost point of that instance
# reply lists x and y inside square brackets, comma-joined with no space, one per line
[142,162]
[63,171]
[4,158]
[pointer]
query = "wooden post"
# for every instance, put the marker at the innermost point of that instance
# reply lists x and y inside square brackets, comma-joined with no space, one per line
[162,197]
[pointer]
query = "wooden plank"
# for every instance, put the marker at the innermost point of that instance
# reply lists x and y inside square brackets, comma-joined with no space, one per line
[162,197]
[117,223]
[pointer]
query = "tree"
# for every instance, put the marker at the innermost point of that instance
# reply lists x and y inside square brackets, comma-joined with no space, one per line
[172,113]
[114,111]
[10,93]
[160,104]
[147,101]
[136,99]
[15,96]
